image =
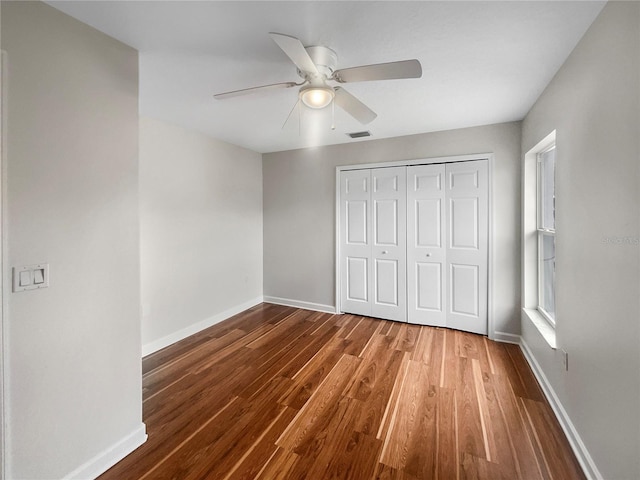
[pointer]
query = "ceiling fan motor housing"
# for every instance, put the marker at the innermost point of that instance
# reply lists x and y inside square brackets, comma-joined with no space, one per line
[324,58]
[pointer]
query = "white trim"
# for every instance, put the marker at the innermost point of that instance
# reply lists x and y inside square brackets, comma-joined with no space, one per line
[426,161]
[174,337]
[577,445]
[4,297]
[110,456]
[491,333]
[417,161]
[542,324]
[287,302]
[505,337]
[338,281]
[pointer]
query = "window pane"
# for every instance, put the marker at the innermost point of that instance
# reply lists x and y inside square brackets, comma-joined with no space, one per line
[548,273]
[547,189]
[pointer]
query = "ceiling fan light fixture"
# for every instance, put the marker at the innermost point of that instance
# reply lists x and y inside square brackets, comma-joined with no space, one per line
[317,97]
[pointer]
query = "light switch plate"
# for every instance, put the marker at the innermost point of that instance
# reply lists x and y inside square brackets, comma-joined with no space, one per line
[565,359]
[30,277]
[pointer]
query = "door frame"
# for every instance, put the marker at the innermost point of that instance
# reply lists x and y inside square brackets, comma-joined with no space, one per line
[4,60]
[424,161]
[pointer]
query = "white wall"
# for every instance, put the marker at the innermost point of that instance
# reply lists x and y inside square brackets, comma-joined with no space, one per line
[201,231]
[73,371]
[299,211]
[594,104]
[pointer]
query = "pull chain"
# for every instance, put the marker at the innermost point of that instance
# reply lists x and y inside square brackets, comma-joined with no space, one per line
[333,115]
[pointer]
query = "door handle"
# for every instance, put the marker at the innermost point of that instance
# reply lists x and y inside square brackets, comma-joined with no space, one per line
[384,252]
[428,254]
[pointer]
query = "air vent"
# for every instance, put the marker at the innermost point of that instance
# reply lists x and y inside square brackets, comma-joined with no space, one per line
[359,134]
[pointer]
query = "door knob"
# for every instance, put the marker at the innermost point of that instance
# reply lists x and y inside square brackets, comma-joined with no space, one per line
[428,254]
[384,252]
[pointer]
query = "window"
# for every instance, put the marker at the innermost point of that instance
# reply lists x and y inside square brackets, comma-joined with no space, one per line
[546,231]
[539,238]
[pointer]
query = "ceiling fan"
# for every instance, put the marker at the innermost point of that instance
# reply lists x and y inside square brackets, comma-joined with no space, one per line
[316,65]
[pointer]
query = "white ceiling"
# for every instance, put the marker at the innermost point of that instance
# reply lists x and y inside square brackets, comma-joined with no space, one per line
[483,62]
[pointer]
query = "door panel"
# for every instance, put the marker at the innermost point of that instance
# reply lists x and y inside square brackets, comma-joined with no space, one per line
[467,245]
[357,279]
[356,222]
[427,180]
[385,181]
[355,242]
[464,289]
[429,286]
[386,221]
[428,225]
[425,244]
[389,243]
[467,178]
[463,223]
[387,283]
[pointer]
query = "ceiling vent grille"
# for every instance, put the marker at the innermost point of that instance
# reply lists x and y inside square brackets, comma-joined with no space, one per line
[359,134]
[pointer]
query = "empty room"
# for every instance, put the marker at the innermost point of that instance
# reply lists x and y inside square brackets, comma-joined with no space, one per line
[320,240]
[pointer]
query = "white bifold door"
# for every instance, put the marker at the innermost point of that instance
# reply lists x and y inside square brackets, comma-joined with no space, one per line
[414,242]
[447,243]
[373,242]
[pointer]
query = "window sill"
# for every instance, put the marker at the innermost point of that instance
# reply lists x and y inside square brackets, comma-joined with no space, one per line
[546,330]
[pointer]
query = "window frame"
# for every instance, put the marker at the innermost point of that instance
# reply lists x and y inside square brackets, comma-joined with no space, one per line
[542,232]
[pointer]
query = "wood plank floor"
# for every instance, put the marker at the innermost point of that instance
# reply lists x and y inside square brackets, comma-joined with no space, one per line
[282,393]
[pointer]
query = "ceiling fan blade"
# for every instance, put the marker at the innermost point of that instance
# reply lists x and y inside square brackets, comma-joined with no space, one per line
[248,91]
[380,71]
[353,106]
[294,49]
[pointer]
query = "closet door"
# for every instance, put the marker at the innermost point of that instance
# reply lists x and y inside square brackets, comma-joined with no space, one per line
[388,194]
[355,241]
[373,242]
[467,245]
[413,244]
[426,266]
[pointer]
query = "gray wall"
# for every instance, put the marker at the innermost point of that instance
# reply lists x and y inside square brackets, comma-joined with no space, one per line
[73,373]
[200,230]
[593,103]
[299,210]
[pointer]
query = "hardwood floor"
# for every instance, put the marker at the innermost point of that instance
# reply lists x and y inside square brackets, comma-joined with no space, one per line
[281,393]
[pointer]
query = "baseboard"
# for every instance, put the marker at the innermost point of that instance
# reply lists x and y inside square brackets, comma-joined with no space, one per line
[109,457]
[197,327]
[318,307]
[578,446]
[506,337]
